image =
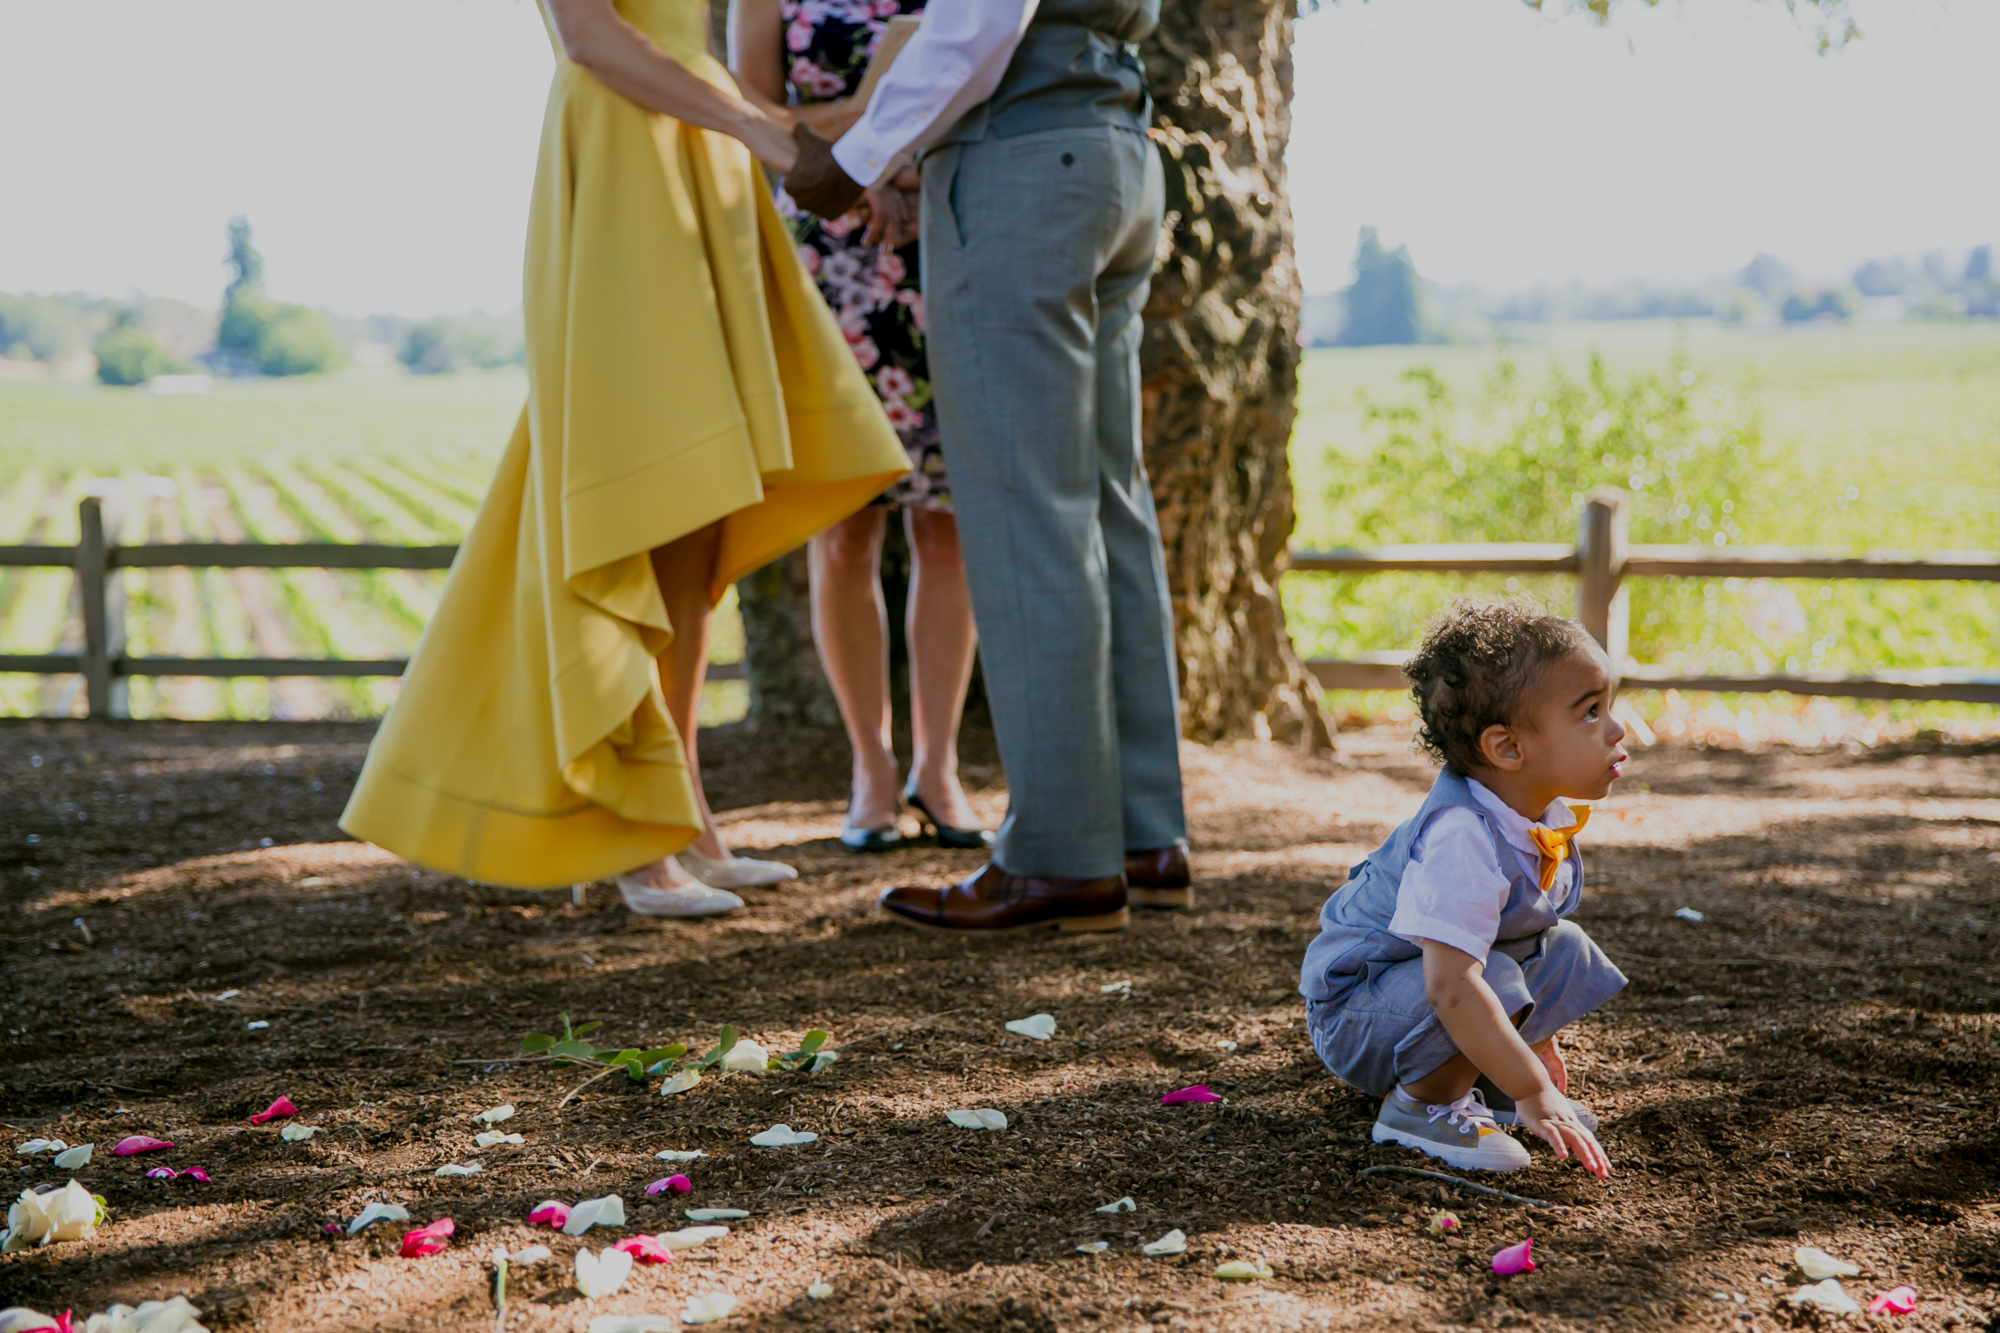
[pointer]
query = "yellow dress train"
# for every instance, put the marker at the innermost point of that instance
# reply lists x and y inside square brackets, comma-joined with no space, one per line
[682,369]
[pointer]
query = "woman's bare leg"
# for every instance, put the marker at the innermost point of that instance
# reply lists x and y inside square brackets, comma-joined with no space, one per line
[684,569]
[942,640]
[851,629]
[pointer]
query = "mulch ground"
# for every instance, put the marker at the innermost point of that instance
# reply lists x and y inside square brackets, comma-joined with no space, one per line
[1812,1063]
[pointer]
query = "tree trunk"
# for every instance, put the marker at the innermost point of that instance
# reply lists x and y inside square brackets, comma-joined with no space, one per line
[1221,368]
[1221,360]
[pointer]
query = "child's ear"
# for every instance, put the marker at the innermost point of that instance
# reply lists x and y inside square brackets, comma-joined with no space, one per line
[1501,748]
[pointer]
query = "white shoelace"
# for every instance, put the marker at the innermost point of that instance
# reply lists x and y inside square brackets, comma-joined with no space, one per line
[1471,1109]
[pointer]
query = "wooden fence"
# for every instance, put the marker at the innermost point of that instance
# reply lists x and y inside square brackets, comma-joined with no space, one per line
[100,598]
[1602,560]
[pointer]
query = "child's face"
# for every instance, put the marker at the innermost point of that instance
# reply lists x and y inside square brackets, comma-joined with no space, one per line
[1567,743]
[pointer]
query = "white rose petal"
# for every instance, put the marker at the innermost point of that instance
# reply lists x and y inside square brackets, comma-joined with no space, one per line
[1093,1247]
[258,1026]
[602,1273]
[820,1060]
[1174,1242]
[1829,1296]
[687,1238]
[493,1137]
[820,1291]
[456,1170]
[707,1309]
[1816,1263]
[1689,914]
[782,1136]
[674,1155]
[378,1212]
[530,1254]
[1122,989]
[608,1211]
[746,1057]
[1039,1027]
[174,1316]
[715,1214]
[1228,1047]
[982,1118]
[297,1133]
[33,1146]
[38,1219]
[680,1082]
[1124,1205]
[74,1158]
[633,1323]
[495,1115]
[18,1318]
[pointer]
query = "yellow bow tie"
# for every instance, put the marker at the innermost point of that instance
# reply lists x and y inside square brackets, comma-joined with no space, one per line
[1554,843]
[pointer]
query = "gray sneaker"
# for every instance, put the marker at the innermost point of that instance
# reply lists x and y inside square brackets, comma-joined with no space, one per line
[1503,1106]
[1460,1133]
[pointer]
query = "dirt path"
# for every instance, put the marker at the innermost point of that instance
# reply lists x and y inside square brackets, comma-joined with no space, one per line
[1813,1063]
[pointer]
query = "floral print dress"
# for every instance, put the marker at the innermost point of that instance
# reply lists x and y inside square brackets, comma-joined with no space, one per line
[872,288]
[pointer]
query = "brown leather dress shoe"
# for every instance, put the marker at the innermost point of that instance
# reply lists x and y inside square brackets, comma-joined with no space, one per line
[1159,877]
[994,902]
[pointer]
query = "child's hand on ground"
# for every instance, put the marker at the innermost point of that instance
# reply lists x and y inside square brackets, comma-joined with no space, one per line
[1550,1116]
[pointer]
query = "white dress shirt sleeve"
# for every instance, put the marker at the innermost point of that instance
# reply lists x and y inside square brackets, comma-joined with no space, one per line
[951,64]
[1453,888]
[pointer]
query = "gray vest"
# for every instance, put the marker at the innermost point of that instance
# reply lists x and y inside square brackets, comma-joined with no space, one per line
[1354,925]
[1076,65]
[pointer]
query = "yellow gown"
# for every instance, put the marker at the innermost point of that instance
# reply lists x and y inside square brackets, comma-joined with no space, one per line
[682,369]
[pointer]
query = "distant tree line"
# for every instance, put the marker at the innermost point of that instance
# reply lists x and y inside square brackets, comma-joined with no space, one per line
[1390,303]
[134,341]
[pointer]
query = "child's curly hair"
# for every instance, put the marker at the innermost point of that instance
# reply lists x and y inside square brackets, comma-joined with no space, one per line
[1474,669]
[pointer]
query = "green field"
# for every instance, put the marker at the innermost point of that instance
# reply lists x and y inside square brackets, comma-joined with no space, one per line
[1883,437]
[1870,437]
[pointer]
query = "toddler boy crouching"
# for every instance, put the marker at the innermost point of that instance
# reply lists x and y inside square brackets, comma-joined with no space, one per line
[1446,967]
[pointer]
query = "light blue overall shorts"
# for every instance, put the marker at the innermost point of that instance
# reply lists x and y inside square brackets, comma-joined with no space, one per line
[1364,988]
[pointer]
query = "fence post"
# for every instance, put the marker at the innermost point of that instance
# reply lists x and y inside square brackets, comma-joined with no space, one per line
[103,604]
[1600,593]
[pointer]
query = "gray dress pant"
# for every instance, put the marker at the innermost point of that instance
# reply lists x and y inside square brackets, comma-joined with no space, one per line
[1038,250]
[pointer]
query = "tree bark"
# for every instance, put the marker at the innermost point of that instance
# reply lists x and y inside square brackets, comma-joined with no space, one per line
[1220,362]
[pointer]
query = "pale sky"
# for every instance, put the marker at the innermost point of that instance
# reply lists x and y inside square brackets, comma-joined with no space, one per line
[383,149]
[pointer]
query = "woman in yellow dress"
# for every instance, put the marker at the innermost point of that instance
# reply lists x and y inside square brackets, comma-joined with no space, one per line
[693,411]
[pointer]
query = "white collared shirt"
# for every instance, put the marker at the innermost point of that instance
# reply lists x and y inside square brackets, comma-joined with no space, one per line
[952,63]
[1454,889]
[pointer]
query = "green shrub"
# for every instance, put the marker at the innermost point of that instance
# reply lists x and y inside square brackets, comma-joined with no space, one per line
[130,354]
[441,346]
[296,340]
[1515,467]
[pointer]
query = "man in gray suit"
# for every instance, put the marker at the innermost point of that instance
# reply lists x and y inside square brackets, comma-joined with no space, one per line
[1042,202]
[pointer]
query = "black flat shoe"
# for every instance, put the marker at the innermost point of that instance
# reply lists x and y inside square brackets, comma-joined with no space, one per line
[887,838]
[962,839]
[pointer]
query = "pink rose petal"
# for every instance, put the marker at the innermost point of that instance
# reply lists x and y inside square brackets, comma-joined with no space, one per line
[162,1173]
[551,1214]
[678,1184]
[646,1249]
[1896,1300]
[196,1173]
[138,1143]
[331,1228]
[276,1111]
[428,1240]
[1515,1259]
[1198,1093]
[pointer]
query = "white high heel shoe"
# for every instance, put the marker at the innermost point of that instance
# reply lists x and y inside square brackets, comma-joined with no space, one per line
[692,899]
[734,872]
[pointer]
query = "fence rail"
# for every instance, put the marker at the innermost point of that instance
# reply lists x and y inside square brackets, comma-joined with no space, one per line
[103,662]
[1602,560]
